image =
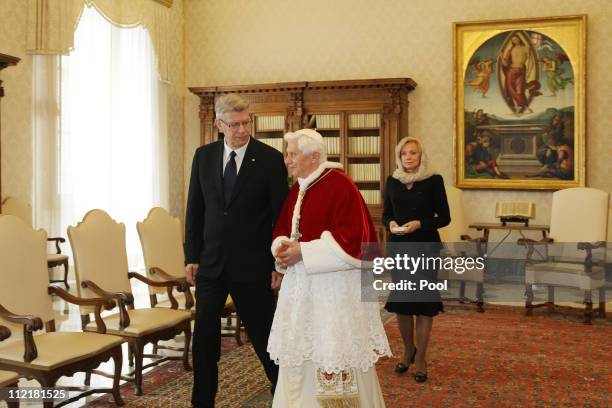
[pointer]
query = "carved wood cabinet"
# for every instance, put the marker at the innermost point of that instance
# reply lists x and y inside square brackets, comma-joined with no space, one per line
[5,61]
[360,120]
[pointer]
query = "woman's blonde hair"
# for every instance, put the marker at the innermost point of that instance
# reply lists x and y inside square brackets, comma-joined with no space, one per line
[400,145]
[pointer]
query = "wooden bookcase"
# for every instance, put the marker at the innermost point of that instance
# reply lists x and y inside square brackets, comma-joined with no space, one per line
[361,121]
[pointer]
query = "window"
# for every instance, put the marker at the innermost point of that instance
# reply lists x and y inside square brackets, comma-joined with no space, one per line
[112,138]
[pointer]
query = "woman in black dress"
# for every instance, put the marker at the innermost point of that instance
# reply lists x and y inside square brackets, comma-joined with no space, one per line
[415,207]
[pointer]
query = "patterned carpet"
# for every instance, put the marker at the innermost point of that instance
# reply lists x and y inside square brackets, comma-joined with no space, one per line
[498,358]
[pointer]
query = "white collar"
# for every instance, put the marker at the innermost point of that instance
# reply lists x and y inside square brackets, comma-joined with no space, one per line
[239,151]
[305,182]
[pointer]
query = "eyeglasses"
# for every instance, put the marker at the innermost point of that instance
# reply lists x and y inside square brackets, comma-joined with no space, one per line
[236,125]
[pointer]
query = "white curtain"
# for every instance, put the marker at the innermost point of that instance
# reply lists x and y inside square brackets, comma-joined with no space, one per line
[113,136]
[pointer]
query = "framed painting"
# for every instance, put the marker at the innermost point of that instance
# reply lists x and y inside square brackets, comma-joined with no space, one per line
[520,103]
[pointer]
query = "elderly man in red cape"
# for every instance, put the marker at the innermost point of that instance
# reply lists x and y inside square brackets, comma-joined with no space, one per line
[325,339]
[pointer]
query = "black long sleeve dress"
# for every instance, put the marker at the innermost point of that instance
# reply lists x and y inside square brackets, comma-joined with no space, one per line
[425,201]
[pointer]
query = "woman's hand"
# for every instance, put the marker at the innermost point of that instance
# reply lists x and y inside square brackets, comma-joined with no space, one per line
[393,227]
[412,226]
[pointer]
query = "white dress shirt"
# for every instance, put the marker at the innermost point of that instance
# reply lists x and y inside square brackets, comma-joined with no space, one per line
[239,155]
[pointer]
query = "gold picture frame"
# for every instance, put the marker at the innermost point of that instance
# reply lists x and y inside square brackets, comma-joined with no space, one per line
[519,88]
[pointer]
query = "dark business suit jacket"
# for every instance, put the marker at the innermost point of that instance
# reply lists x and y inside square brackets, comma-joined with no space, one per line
[234,237]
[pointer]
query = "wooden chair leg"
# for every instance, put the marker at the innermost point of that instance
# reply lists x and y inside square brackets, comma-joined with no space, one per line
[66,275]
[87,378]
[118,360]
[130,356]
[155,347]
[551,298]
[529,299]
[46,381]
[238,334]
[14,404]
[588,311]
[462,292]
[480,297]
[138,350]
[602,302]
[186,346]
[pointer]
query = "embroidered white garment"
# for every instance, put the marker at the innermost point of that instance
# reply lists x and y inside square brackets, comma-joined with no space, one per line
[320,316]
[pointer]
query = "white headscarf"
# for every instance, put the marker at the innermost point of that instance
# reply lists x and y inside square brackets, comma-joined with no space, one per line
[421,173]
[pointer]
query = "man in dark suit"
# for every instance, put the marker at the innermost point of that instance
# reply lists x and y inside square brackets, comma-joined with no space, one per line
[237,188]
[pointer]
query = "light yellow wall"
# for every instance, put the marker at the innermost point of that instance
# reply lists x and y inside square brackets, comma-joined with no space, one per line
[231,42]
[17,147]
[16,104]
[175,109]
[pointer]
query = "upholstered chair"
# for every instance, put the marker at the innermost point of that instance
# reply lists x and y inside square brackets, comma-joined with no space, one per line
[579,219]
[23,210]
[458,243]
[101,266]
[8,378]
[162,246]
[25,302]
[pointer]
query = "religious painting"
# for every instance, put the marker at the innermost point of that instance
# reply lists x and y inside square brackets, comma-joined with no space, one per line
[520,103]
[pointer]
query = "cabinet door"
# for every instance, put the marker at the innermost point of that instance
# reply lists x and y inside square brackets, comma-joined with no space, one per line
[270,129]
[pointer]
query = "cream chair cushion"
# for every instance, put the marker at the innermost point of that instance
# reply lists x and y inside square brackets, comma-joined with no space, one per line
[565,274]
[58,349]
[161,239]
[143,321]
[23,254]
[8,378]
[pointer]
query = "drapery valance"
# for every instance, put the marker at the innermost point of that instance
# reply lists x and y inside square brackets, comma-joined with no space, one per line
[51,24]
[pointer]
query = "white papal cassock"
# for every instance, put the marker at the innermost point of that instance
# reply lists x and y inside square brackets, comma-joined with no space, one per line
[325,339]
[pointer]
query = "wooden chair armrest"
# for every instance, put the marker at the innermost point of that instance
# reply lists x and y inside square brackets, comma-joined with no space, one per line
[32,321]
[57,240]
[106,302]
[530,245]
[30,325]
[168,284]
[99,303]
[123,299]
[182,286]
[479,241]
[150,282]
[159,271]
[529,241]
[5,333]
[589,247]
